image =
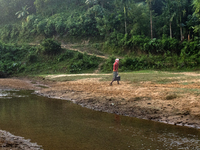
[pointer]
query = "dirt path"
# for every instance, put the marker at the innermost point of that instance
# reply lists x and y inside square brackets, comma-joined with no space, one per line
[157,102]
[70,47]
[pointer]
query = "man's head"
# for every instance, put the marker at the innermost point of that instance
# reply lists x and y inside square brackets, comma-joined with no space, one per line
[117,60]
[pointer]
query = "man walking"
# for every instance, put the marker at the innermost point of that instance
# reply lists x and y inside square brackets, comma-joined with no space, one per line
[115,71]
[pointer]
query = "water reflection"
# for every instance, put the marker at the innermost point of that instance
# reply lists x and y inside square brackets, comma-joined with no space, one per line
[60,125]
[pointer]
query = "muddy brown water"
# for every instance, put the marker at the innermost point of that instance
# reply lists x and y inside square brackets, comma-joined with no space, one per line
[63,125]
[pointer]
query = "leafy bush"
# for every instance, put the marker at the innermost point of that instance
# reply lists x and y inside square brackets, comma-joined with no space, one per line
[11,57]
[140,43]
[190,48]
[41,26]
[32,58]
[50,47]
[82,62]
[60,26]
[108,65]
[78,56]
[67,55]
[49,28]
[137,41]
[5,32]
[170,44]
[15,32]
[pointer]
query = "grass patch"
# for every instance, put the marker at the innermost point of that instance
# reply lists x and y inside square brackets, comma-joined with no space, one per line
[74,78]
[185,83]
[153,76]
[141,98]
[135,77]
[188,90]
[33,82]
[171,96]
[42,86]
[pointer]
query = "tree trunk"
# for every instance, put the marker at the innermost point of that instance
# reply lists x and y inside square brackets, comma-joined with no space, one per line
[102,4]
[181,32]
[170,29]
[189,36]
[151,24]
[125,28]
[125,20]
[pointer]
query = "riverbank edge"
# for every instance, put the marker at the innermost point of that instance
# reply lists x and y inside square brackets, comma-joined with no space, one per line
[135,112]
[8,141]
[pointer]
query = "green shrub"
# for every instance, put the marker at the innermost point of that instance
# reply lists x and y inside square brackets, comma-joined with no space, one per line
[170,44]
[137,41]
[67,55]
[190,48]
[50,47]
[32,58]
[41,26]
[15,32]
[49,28]
[82,62]
[78,56]
[108,65]
[60,27]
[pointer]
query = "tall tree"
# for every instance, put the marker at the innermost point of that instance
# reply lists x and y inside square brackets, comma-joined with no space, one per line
[169,12]
[138,15]
[149,2]
[124,4]
[196,6]
[22,13]
[8,8]
[180,11]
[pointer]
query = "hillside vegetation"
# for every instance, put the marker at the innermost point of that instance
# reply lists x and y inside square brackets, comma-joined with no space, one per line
[148,34]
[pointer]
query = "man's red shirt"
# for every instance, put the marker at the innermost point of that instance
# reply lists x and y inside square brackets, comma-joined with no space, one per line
[115,66]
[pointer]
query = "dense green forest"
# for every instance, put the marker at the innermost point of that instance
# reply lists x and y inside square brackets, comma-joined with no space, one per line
[149,33]
[117,22]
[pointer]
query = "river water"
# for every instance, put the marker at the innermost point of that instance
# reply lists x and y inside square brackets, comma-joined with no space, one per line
[63,125]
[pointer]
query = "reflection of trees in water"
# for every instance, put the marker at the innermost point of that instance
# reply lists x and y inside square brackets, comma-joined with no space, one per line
[117,119]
